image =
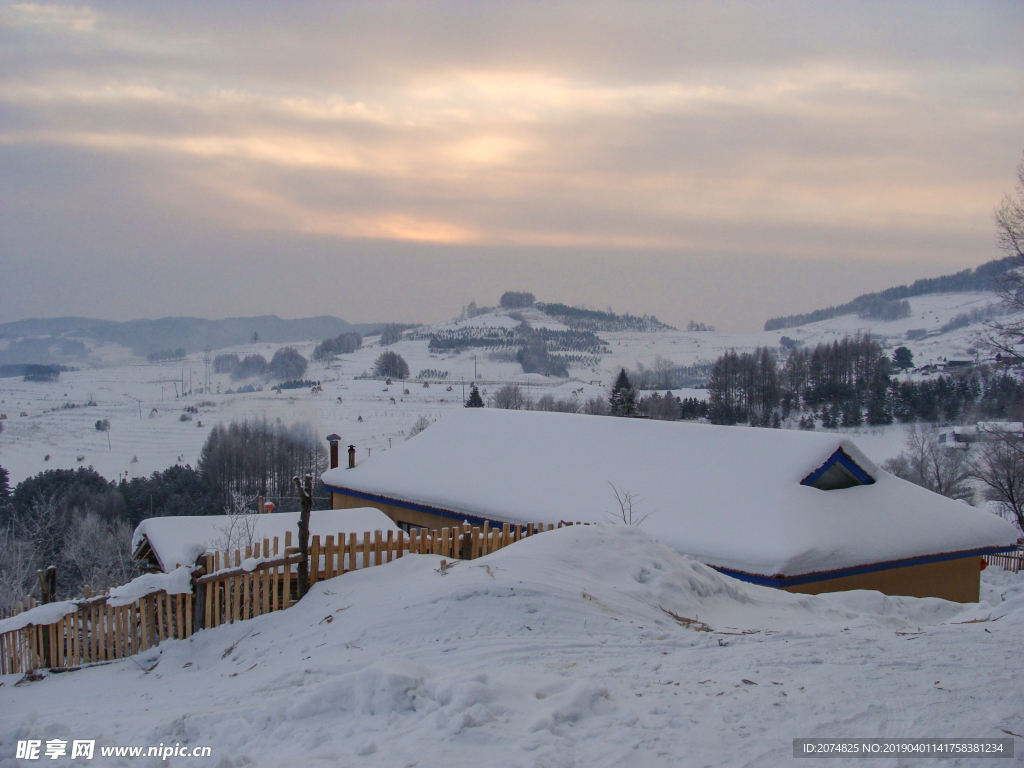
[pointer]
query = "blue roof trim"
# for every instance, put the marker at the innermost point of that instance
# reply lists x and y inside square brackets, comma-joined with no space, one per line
[410,505]
[811,578]
[839,457]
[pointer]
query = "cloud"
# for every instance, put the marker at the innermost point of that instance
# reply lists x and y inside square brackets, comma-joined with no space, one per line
[56,16]
[699,130]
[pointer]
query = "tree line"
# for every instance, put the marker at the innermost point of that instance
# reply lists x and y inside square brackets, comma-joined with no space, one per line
[286,364]
[82,523]
[882,304]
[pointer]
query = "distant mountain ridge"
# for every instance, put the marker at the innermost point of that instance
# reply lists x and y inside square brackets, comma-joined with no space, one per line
[982,278]
[193,334]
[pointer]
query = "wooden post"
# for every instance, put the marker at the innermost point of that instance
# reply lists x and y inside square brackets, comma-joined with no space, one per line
[144,608]
[367,550]
[305,487]
[159,617]
[179,617]
[286,588]
[328,557]
[314,561]
[377,546]
[401,543]
[388,546]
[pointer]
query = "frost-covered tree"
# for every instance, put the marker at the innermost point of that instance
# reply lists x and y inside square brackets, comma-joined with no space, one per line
[391,365]
[287,364]
[421,423]
[510,397]
[391,333]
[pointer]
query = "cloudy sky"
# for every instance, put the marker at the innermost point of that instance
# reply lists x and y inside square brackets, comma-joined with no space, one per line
[722,162]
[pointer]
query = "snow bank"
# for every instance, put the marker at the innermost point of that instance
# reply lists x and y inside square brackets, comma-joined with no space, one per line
[729,496]
[38,616]
[177,582]
[559,650]
[182,540]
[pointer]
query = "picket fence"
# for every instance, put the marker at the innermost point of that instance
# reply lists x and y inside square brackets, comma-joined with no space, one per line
[1009,561]
[229,587]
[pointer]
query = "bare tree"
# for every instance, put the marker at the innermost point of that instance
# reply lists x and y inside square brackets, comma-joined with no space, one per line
[510,397]
[242,520]
[999,465]
[98,552]
[1005,335]
[17,568]
[932,465]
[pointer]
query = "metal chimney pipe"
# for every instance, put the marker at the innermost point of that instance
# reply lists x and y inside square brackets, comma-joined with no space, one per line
[351,457]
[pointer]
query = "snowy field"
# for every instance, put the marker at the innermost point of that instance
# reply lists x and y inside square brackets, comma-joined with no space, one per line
[140,399]
[558,651]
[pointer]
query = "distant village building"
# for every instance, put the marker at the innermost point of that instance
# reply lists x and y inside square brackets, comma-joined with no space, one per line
[982,431]
[806,512]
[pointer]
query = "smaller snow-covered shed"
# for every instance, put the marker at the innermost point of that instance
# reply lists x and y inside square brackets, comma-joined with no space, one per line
[166,542]
[807,512]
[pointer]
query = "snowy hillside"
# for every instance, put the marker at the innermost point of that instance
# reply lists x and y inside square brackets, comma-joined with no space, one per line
[140,398]
[581,647]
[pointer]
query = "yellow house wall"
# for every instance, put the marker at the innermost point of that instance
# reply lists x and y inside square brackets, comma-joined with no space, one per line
[957,580]
[398,514]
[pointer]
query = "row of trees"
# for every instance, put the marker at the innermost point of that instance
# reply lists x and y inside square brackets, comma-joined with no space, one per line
[342,344]
[848,383]
[260,458]
[287,363]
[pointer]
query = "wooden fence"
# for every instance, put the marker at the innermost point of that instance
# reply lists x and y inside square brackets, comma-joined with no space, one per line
[230,587]
[1009,561]
[97,631]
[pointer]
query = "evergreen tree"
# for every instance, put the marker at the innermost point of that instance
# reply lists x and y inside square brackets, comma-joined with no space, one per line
[903,358]
[5,488]
[623,397]
[474,401]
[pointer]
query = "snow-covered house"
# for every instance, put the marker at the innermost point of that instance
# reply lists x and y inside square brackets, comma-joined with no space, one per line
[164,543]
[807,512]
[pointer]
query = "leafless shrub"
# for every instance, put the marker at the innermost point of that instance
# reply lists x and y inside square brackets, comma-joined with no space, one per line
[627,513]
[421,423]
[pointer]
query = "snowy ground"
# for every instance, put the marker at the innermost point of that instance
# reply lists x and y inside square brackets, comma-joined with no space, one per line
[556,651]
[140,399]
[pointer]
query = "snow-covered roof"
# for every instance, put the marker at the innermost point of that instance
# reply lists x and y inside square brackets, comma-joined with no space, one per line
[730,496]
[182,539]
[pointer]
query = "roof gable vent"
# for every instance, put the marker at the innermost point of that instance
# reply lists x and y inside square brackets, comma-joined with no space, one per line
[839,471]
